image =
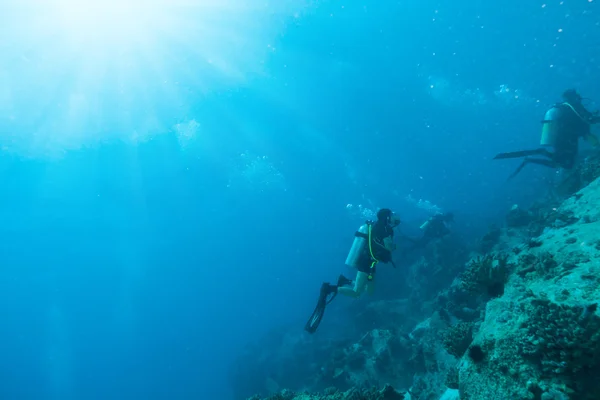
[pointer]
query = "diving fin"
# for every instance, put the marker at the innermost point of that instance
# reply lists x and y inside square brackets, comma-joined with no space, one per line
[523,164]
[315,319]
[519,154]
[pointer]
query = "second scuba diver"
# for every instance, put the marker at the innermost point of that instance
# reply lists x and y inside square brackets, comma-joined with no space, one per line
[434,228]
[563,125]
[373,243]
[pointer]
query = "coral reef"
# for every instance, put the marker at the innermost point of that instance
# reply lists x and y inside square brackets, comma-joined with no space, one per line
[519,320]
[541,337]
[490,239]
[452,378]
[486,275]
[562,339]
[457,338]
[367,362]
[387,393]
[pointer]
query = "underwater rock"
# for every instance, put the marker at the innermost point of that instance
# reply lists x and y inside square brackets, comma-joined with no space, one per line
[374,359]
[451,394]
[541,338]
[585,206]
[389,393]
[433,272]
[386,314]
[386,393]
[264,367]
[517,217]
[490,239]
[431,362]
[582,175]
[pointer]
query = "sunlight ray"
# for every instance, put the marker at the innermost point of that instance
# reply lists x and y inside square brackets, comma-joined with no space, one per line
[88,71]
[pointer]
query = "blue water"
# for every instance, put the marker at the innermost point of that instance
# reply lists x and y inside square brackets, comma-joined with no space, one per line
[175,177]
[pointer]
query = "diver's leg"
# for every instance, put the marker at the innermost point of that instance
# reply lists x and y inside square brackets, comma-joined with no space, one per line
[525,153]
[360,282]
[539,161]
[546,153]
[348,291]
[565,158]
[362,279]
[370,287]
[546,163]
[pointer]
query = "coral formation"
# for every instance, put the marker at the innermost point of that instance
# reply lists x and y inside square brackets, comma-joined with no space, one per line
[562,339]
[452,378]
[457,338]
[486,275]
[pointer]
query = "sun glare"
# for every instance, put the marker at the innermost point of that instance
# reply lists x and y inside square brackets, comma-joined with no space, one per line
[89,69]
[101,20]
[108,22]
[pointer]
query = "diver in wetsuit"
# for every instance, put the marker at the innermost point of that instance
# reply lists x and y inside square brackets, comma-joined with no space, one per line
[563,125]
[434,228]
[373,243]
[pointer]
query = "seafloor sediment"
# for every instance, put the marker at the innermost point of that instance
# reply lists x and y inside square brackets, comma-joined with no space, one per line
[520,321]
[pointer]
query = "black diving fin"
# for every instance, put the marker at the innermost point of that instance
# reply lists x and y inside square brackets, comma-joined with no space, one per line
[519,168]
[315,319]
[519,154]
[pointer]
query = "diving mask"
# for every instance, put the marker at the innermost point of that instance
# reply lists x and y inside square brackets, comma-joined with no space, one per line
[394,220]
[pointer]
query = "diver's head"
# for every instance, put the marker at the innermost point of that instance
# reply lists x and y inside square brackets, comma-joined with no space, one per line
[448,217]
[387,216]
[571,96]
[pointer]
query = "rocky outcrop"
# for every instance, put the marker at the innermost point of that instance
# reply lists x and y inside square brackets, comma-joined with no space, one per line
[266,367]
[582,175]
[541,339]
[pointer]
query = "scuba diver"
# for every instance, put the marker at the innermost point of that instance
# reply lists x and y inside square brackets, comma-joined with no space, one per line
[373,243]
[435,227]
[563,125]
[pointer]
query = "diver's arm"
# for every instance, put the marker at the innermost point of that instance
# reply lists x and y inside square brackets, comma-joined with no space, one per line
[389,244]
[386,244]
[592,117]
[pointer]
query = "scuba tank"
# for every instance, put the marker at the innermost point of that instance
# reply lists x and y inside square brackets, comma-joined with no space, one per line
[358,246]
[551,126]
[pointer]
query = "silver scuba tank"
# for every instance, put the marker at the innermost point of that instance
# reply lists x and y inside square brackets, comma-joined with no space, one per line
[551,126]
[358,246]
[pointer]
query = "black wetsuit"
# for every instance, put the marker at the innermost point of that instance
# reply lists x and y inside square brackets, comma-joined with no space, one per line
[379,232]
[572,127]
